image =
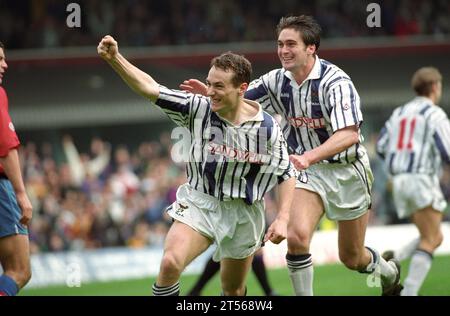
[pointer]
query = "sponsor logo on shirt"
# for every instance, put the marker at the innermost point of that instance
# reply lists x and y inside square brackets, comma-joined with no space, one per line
[11,127]
[308,122]
[236,154]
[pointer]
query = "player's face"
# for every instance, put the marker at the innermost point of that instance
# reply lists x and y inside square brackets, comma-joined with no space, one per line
[223,94]
[292,51]
[3,65]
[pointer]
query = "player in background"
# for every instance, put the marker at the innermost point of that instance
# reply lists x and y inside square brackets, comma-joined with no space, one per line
[413,143]
[321,119]
[238,153]
[15,207]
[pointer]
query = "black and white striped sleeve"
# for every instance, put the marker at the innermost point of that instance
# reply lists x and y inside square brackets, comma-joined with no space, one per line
[176,104]
[262,90]
[345,105]
[383,141]
[284,169]
[442,136]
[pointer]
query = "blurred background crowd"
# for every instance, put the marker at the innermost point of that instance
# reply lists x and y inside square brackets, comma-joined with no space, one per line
[32,24]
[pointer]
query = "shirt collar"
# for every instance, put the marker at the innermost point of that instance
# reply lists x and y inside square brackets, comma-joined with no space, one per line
[424,98]
[259,117]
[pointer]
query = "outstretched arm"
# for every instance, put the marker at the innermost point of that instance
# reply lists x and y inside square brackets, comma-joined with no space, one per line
[11,166]
[135,78]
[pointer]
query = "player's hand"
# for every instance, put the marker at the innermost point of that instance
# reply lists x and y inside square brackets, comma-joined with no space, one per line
[277,232]
[301,162]
[26,207]
[194,86]
[108,48]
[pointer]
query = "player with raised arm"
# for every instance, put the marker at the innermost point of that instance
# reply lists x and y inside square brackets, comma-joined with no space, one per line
[321,119]
[238,153]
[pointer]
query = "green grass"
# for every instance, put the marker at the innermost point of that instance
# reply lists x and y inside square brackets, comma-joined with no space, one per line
[329,280]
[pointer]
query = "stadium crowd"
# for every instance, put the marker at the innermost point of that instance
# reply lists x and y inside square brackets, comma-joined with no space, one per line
[116,196]
[104,198]
[42,24]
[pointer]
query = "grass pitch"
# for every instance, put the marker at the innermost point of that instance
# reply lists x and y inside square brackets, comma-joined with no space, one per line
[331,280]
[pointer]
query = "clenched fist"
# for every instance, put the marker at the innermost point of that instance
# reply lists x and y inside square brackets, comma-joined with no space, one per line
[108,48]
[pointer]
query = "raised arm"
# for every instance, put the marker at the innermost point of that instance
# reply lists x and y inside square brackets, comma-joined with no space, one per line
[136,79]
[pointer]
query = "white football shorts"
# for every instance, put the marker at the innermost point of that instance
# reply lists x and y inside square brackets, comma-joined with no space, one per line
[345,189]
[236,227]
[413,192]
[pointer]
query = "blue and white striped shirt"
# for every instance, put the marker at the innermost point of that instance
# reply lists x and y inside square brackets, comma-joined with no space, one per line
[416,138]
[325,102]
[226,161]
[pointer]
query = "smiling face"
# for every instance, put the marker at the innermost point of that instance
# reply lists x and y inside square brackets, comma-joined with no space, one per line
[224,95]
[3,64]
[292,51]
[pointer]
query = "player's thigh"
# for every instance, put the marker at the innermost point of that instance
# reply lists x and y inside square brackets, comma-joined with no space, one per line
[184,243]
[15,253]
[233,272]
[352,234]
[306,210]
[428,221]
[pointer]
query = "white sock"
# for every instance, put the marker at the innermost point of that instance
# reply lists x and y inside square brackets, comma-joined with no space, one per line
[388,272]
[406,251]
[377,264]
[418,269]
[301,272]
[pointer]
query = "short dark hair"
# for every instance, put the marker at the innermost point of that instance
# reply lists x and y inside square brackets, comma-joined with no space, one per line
[308,28]
[423,80]
[240,65]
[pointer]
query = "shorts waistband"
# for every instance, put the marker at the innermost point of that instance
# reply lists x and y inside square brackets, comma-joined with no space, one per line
[203,195]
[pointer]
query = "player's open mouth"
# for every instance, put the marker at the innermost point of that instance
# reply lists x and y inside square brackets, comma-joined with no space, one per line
[215,101]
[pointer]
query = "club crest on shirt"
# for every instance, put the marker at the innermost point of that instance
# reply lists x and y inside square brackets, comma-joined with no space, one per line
[346,106]
[11,127]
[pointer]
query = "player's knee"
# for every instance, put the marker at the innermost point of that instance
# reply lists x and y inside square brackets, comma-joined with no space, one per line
[171,265]
[298,241]
[432,242]
[25,277]
[438,239]
[230,289]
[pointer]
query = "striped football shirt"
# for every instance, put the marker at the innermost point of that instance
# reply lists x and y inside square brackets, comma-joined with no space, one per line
[226,161]
[325,102]
[416,138]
